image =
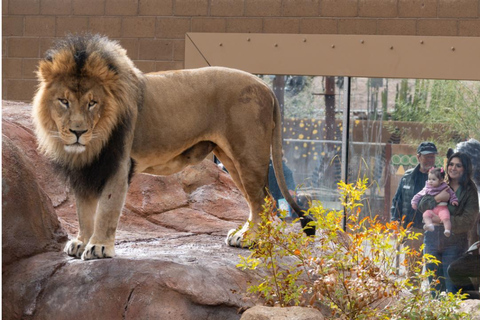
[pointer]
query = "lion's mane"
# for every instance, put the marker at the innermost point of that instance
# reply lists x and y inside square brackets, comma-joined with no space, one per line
[96,58]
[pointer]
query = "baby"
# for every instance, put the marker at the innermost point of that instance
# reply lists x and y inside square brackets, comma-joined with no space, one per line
[434,185]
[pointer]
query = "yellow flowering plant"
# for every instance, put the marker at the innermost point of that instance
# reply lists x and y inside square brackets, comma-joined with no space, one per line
[353,273]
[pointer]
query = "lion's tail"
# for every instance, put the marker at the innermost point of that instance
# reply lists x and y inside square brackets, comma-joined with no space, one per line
[277,156]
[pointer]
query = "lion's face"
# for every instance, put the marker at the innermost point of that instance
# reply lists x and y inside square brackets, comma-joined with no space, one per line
[75,112]
[88,88]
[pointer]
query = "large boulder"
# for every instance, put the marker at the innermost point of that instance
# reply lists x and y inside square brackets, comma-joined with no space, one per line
[171,258]
[29,223]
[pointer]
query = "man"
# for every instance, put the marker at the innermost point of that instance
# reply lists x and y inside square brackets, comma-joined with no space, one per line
[412,182]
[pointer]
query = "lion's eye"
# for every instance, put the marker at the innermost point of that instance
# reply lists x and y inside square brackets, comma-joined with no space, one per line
[92,104]
[64,102]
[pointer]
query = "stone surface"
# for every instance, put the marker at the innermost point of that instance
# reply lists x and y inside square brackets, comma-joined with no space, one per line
[29,223]
[274,313]
[171,263]
[471,307]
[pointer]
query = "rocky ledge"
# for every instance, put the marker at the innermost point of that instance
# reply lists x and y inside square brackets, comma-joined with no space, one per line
[171,263]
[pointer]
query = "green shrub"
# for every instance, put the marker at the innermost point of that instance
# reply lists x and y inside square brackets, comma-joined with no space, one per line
[353,273]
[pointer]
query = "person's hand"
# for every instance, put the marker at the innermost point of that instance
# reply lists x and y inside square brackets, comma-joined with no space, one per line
[414,206]
[455,203]
[436,219]
[443,196]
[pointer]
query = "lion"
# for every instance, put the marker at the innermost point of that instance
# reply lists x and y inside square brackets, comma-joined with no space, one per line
[100,120]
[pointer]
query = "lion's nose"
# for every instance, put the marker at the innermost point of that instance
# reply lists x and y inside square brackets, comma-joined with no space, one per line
[78,133]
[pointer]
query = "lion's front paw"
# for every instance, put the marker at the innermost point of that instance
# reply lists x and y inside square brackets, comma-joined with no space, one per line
[240,238]
[74,248]
[98,251]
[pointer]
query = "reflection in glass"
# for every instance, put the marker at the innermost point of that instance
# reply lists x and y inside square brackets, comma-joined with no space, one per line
[387,120]
[312,132]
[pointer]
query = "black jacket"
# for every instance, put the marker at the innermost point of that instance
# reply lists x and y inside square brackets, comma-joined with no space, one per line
[401,203]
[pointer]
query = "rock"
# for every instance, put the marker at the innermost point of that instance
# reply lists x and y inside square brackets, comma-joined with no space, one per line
[52,286]
[471,307]
[171,260]
[276,313]
[29,223]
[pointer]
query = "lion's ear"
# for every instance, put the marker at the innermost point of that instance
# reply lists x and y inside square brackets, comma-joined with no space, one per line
[98,67]
[45,71]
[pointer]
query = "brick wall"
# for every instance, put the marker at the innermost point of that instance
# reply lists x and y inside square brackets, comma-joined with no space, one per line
[153,31]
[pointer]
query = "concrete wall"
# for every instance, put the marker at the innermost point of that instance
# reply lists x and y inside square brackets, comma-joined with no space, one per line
[153,31]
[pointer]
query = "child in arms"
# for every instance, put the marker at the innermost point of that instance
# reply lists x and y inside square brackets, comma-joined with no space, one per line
[434,185]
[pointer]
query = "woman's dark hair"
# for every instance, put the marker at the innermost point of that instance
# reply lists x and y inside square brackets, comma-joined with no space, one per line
[467,167]
[438,172]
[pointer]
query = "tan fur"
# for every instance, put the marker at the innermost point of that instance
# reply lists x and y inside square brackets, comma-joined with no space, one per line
[184,116]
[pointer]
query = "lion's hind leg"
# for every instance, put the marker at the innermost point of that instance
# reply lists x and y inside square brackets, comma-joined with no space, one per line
[250,175]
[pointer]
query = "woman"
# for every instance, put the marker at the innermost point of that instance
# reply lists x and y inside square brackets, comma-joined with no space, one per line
[463,216]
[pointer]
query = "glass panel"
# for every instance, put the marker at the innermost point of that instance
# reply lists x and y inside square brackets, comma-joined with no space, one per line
[390,117]
[312,131]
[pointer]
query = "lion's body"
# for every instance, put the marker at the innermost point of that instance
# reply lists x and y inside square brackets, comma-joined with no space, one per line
[183,108]
[100,119]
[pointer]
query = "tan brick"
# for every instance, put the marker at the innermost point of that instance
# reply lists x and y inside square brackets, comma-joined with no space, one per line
[121,7]
[12,26]
[245,25]
[301,8]
[321,26]
[191,7]
[4,89]
[437,27]
[155,49]
[156,7]
[339,8]
[23,6]
[227,8]
[145,66]
[30,67]
[396,26]
[66,25]
[20,90]
[169,65]
[209,25]
[469,28]
[417,8]
[4,46]
[281,25]
[5,7]
[23,47]
[377,8]
[41,26]
[172,28]
[457,9]
[56,7]
[179,50]
[132,47]
[12,68]
[88,7]
[45,44]
[110,26]
[263,8]
[357,26]
[141,27]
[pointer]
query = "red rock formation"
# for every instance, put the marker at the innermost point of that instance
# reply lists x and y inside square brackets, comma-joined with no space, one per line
[171,260]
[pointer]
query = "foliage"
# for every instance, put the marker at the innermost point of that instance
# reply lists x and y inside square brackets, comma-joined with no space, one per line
[353,273]
[449,108]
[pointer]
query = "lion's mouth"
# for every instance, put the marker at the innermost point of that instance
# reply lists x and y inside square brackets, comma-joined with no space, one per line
[75,148]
